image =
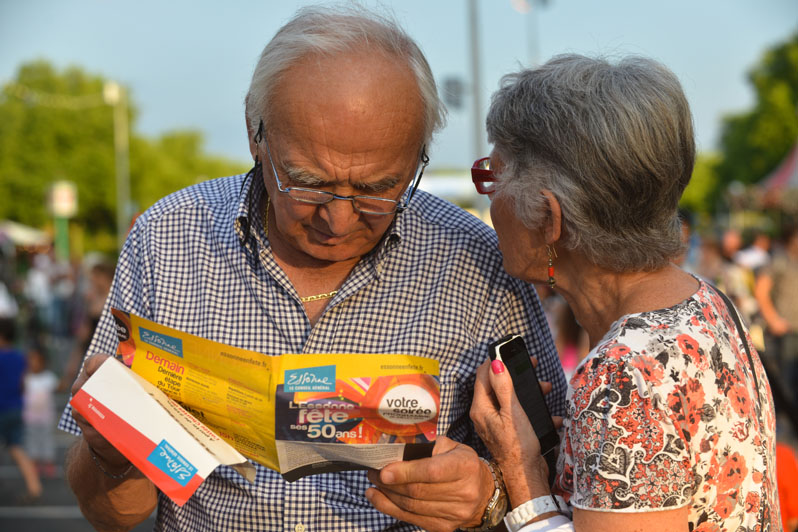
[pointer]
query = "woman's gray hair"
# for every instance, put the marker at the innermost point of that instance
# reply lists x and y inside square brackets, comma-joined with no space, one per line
[613,143]
[331,30]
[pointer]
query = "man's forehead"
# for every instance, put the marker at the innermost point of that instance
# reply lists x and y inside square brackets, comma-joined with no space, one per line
[353,95]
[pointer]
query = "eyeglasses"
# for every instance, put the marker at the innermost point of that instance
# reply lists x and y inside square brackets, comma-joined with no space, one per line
[362,204]
[483,177]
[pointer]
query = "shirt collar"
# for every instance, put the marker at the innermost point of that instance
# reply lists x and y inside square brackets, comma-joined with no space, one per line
[249,201]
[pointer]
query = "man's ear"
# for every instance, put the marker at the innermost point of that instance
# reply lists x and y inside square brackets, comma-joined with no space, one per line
[253,146]
[553,227]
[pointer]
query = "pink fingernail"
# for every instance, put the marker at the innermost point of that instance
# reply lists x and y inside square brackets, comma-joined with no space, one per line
[497,367]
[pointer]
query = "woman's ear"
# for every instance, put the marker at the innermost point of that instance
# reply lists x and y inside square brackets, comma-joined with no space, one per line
[553,227]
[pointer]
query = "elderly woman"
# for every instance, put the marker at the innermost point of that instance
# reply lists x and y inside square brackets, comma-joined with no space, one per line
[670,423]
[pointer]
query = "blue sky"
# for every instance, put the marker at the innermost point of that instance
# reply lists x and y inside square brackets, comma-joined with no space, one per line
[188,63]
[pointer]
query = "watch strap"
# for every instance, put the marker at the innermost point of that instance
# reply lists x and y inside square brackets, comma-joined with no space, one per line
[534,508]
[489,520]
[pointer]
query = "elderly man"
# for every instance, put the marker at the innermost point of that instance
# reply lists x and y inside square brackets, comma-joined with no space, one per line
[325,246]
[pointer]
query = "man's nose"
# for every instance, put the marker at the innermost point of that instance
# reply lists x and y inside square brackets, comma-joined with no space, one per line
[340,215]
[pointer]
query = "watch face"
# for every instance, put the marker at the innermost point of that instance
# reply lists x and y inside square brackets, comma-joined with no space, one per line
[498,510]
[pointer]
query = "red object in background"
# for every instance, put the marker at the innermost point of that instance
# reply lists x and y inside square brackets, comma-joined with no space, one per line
[787,480]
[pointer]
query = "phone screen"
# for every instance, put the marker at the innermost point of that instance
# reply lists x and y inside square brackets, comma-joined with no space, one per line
[511,350]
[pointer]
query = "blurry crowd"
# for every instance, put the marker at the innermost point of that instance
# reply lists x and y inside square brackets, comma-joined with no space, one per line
[48,311]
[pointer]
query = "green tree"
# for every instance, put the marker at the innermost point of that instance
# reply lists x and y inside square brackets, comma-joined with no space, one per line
[55,125]
[754,142]
[698,196]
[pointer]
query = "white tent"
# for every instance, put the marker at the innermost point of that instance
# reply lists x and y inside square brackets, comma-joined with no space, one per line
[22,235]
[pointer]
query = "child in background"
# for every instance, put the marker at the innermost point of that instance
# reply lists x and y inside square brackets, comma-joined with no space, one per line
[38,412]
[12,371]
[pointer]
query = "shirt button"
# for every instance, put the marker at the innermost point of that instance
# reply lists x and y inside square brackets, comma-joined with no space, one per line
[299,528]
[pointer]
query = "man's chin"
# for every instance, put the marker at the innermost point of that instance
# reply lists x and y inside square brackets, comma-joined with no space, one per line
[337,253]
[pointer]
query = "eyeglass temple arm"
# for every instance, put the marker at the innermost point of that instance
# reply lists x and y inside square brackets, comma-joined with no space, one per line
[424,163]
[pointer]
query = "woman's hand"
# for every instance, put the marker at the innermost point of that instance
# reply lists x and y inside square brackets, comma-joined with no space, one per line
[502,424]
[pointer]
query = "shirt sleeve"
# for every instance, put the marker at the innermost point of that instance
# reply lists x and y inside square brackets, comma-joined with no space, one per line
[622,449]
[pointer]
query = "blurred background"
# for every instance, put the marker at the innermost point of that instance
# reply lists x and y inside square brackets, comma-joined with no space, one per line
[107,106]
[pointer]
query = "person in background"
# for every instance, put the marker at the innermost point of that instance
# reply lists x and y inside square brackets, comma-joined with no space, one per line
[689,258]
[12,373]
[757,254]
[777,294]
[325,246]
[98,285]
[38,412]
[670,423]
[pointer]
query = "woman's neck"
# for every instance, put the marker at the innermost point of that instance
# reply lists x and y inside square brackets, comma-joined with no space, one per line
[599,297]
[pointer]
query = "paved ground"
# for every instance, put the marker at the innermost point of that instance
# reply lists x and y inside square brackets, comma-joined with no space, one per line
[57,510]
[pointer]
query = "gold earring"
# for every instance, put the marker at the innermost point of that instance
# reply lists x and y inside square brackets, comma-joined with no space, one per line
[552,255]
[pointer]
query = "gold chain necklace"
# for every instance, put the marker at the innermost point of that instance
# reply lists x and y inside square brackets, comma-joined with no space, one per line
[318,297]
[306,299]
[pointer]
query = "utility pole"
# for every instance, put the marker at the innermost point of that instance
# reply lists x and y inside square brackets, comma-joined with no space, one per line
[476,80]
[115,95]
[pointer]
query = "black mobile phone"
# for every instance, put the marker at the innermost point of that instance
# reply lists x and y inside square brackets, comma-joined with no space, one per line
[511,350]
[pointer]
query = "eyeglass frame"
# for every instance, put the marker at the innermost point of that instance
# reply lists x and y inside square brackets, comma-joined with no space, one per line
[400,206]
[480,176]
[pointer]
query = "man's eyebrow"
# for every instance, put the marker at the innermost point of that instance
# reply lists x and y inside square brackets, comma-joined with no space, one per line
[304,178]
[381,185]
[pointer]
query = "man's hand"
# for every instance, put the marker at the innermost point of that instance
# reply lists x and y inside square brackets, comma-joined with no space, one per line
[113,459]
[108,502]
[449,490]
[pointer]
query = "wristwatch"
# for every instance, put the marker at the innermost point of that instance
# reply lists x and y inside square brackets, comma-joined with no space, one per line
[531,509]
[497,505]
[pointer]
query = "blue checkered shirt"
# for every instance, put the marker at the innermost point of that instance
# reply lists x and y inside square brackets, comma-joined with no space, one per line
[434,286]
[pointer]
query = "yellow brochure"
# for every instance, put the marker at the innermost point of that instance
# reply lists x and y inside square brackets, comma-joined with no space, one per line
[298,414]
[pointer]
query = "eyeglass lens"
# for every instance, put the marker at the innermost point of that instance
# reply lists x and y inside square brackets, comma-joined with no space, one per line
[365,204]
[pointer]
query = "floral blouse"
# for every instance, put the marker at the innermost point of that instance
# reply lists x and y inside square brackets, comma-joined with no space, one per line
[664,413]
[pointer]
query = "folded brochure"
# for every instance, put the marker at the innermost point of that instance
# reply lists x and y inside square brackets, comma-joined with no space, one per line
[159,437]
[299,414]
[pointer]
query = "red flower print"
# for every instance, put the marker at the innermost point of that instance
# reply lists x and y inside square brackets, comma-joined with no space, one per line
[752,501]
[725,504]
[650,367]
[740,400]
[740,431]
[689,346]
[709,314]
[732,472]
[687,402]
[617,351]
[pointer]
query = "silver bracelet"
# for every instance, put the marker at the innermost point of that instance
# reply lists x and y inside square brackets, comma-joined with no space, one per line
[108,474]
